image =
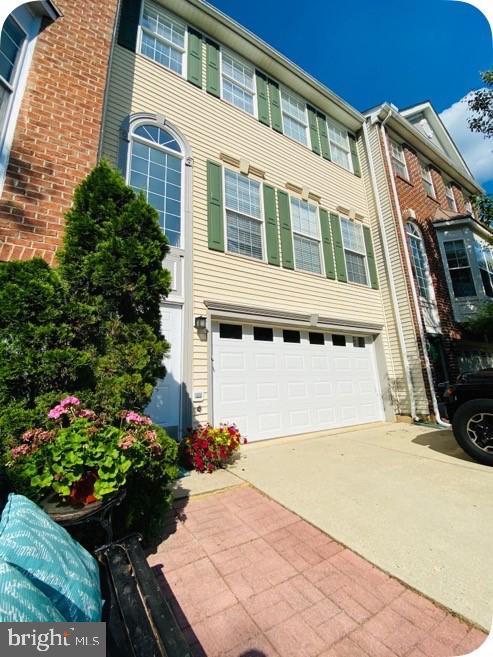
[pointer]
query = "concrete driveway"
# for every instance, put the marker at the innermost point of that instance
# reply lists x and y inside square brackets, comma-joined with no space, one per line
[404,497]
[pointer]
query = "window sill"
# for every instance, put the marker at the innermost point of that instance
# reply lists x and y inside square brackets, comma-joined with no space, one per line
[364,286]
[182,75]
[252,259]
[406,180]
[433,198]
[310,273]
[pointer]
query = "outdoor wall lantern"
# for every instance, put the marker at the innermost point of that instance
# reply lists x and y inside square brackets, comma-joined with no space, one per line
[200,324]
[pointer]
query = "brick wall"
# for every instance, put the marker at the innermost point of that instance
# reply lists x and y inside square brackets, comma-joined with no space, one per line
[58,129]
[412,194]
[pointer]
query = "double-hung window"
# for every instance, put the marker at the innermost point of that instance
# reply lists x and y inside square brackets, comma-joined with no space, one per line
[294,116]
[459,268]
[398,160]
[163,38]
[468,204]
[306,236]
[238,82]
[244,223]
[427,179]
[484,256]
[354,251]
[339,145]
[449,193]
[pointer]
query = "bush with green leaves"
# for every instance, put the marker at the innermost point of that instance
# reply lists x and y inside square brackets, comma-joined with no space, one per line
[480,325]
[89,328]
[92,326]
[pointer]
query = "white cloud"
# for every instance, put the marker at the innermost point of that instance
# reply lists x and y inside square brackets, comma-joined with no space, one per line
[476,150]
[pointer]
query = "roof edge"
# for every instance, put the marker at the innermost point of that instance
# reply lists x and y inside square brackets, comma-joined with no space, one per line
[281,59]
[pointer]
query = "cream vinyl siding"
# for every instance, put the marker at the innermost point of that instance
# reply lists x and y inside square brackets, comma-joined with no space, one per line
[211,127]
[405,309]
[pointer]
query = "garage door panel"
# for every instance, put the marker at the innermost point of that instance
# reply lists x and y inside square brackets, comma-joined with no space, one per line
[267,392]
[269,422]
[234,393]
[275,388]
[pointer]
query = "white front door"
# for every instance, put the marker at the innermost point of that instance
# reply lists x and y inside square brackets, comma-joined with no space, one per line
[273,382]
[165,405]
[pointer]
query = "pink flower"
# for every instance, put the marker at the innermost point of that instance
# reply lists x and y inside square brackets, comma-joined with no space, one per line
[87,413]
[127,441]
[69,401]
[56,412]
[21,450]
[151,436]
[135,418]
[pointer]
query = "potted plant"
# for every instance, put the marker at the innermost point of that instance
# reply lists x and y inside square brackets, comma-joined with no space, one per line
[208,448]
[82,459]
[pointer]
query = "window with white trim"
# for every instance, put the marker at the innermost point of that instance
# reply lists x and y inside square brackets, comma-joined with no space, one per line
[12,41]
[294,116]
[427,179]
[163,37]
[244,222]
[398,160]
[155,168]
[459,268]
[17,41]
[419,260]
[468,204]
[449,193]
[340,150]
[306,236]
[238,82]
[484,256]
[354,251]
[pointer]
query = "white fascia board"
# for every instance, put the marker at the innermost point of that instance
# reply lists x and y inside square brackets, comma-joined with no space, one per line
[228,32]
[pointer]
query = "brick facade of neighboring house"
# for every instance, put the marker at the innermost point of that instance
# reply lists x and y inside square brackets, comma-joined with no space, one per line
[427,195]
[412,194]
[58,127]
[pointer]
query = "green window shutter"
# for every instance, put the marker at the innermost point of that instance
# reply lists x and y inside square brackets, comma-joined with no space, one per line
[354,154]
[129,24]
[372,267]
[313,125]
[262,98]
[213,81]
[275,105]
[338,247]
[330,271]
[215,223]
[286,237]
[324,137]
[271,226]
[194,64]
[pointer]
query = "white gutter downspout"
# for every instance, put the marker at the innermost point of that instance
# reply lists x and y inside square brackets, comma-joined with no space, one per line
[407,258]
[393,293]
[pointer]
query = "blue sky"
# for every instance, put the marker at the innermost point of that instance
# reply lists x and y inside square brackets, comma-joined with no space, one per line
[368,51]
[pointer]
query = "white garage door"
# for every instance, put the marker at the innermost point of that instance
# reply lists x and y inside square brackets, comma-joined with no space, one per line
[275,382]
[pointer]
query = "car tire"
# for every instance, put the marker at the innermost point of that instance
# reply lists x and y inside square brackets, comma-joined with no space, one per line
[472,424]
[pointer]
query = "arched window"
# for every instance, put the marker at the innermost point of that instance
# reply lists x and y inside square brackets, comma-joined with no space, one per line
[419,260]
[156,169]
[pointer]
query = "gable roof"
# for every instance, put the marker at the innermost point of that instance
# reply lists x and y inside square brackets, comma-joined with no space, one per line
[427,120]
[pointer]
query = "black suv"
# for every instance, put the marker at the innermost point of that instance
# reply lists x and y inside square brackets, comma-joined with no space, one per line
[469,404]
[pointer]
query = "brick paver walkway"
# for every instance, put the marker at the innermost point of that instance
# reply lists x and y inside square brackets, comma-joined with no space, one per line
[247,578]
